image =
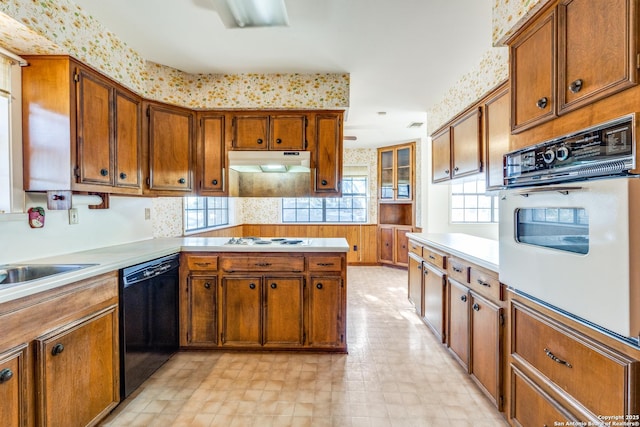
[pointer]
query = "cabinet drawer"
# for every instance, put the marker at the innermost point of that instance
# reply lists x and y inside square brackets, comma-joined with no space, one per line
[601,379]
[325,263]
[415,248]
[458,270]
[202,263]
[434,258]
[263,263]
[485,283]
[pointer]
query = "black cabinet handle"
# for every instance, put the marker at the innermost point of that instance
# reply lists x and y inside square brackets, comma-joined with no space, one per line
[123,175]
[575,86]
[557,359]
[463,298]
[457,269]
[182,181]
[319,286]
[324,182]
[325,264]
[542,103]
[278,141]
[207,285]
[432,257]
[5,375]
[446,172]
[273,286]
[214,182]
[456,169]
[252,286]
[476,307]
[262,264]
[259,141]
[57,349]
[483,283]
[104,172]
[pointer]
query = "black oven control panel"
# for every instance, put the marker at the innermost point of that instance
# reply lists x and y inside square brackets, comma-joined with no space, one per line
[606,149]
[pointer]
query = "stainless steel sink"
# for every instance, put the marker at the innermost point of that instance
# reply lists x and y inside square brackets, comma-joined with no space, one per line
[19,273]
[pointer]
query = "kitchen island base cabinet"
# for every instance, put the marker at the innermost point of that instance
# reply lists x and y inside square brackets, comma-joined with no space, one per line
[326,312]
[283,311]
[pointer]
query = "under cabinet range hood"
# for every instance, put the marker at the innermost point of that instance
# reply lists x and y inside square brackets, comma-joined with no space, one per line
[269,173]
[269,161]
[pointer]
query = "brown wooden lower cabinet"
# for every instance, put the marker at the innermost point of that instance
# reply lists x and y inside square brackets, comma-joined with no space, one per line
[393,245]
[278,301]
[458,322]
[415,283]
[434,297]
[13,386]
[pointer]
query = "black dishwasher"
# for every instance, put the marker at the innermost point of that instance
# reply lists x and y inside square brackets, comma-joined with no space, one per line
[148,319]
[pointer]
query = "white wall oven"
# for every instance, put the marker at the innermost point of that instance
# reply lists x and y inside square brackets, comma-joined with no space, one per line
[570,227]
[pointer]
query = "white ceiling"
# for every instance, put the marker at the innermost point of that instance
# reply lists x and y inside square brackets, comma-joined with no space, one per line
[402,55]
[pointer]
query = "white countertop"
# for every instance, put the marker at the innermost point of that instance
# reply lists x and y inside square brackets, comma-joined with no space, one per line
[478,250]
[112,258]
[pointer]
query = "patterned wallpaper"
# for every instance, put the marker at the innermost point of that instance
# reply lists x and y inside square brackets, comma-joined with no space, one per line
[62,27]
[509,15]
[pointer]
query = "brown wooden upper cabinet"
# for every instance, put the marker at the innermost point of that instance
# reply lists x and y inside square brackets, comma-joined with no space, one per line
[595,42]
[170,137]
[210,156]
[457,148]
[396,172]
[82,131]
[497,131]
[327,154]
[269,132]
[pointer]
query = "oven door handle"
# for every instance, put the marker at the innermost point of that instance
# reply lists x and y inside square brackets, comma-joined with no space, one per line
[539,190]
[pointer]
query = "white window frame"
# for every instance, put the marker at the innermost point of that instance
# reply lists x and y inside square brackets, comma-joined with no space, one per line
[205,201]
[468,197]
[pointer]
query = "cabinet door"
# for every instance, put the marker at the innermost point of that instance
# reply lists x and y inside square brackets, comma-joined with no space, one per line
[415,283]
[170,148]
[386,242]
[597,50]
[486,349]
[533,74]
[283,320]
[94,104]
[127,139]
[441,156]
[435,286]
[458,325]
[288,132]
[404,173]
[467,145]
[77,371]
[326,316]
[13,387]
[202,329]
[497,131]
[241,311]
[328,155]
[250,133]
[211,155]
[386,174]
[401,246]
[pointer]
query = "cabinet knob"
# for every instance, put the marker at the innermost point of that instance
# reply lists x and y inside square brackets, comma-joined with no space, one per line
[273,286]
[57,349]
[446,172]
[542,103]
[5,375]
[463,298]
[252,285]
[104,172]
[319,286]
[207,285]
[259,141]
[324,182]
[214,182]
[575,86]
[123,175]
[278,141]
[182,181]
[476,307]
[456,169]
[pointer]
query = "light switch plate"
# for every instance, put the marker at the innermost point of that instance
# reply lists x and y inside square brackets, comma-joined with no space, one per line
[73,216]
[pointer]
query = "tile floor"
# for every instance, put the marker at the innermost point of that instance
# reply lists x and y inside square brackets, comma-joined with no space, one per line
[396,374]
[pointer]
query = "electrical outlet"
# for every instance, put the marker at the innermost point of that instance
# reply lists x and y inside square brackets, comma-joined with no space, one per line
[73,216]
[147,213]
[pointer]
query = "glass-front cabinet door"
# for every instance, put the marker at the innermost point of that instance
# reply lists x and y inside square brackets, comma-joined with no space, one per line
[386,175]
[396,173]
[403,173]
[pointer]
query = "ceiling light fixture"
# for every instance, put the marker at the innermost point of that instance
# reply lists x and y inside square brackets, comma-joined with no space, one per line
[259,13]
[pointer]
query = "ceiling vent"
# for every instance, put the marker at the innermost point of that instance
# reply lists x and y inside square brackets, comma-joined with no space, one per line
[415,125]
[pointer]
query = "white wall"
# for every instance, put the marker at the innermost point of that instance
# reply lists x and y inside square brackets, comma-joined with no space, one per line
[123,222]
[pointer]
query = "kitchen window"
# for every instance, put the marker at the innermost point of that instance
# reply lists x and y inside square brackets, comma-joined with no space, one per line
[350,208]
[201,213]
[470,204]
